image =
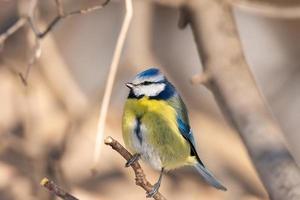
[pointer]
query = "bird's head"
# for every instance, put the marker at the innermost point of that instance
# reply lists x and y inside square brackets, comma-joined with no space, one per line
[151,83]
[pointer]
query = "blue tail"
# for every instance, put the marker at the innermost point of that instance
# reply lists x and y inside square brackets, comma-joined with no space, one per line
[209,177]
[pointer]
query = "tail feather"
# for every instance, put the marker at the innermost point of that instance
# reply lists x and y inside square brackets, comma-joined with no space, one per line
[209,177]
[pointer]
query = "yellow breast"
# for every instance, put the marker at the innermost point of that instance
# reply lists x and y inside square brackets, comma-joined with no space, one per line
[163,134]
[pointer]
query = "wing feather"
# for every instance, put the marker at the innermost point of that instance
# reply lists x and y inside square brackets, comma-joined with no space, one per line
[183,123]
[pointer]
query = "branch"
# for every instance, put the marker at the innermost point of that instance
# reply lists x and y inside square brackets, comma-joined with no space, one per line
[14,28]
[239,98]
[111,79]
[203,78]
[55,189]
[19,23]
[29,18]
[62,15]
[37,51]
[140,177]
[269,8]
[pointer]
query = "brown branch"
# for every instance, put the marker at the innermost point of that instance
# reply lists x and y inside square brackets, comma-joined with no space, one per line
[140,177]
[55,189]
[59,7]
[40,35]
[34,57]
[37,47]
[11,30]
[239,98]
[203,78]
[62,15]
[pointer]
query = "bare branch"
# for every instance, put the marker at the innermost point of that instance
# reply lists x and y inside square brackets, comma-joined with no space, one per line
[202,78]
[14,28]
[239,98]
[140,177]
[32,8]
[34,57]
[111,79]
[87,10]
[55,189]
[62,15]
[19,23]
[60,8]
[39,35]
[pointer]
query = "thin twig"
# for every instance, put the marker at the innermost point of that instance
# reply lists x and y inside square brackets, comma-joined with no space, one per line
[140,177]
[87,10]
[11,30]
[39,35]
[19,23]
[37,47]
[111,78]
[32,8]
[62,15]
[55,189]
[35,56]
[60,8]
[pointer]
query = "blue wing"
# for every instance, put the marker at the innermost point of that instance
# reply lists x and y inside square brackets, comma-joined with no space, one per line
[183,123]
[185,130]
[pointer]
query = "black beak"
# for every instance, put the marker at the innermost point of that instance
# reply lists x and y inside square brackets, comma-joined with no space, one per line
[129,85]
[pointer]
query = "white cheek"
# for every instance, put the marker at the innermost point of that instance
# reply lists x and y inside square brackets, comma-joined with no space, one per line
[149,90]
[137,91]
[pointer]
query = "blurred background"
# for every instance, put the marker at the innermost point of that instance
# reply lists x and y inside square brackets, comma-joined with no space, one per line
[48,128]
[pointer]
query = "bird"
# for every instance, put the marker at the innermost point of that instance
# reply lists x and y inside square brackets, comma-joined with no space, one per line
[156,129]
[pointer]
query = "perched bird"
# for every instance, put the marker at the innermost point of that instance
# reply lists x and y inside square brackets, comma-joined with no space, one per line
[156,127]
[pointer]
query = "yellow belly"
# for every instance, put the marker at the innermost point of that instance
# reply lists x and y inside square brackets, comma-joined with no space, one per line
[161,137]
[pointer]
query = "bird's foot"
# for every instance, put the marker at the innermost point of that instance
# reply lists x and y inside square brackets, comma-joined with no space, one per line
[133,159]
[153,191]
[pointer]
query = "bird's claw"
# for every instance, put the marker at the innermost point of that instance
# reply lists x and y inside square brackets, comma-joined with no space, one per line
[154,190]
[133,159]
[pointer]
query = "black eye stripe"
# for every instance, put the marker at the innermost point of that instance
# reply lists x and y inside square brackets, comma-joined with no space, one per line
[149,83]
[146,83]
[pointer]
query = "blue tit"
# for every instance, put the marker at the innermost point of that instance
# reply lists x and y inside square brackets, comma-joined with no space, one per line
[156,127]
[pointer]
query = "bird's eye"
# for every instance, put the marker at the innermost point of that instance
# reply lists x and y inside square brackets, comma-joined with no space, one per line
[146,83]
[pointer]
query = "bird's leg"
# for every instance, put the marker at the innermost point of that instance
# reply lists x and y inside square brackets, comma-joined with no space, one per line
[156,185]
[133,159]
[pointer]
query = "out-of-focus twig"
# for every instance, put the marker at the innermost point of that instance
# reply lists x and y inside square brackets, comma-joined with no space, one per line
[37,51]
[239,98]
[55,189]
[59,7]
[30,19]
[19,23]
[61,14]
[37,47]
[140,177]
[202,78]
[110,80]
[11,30]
